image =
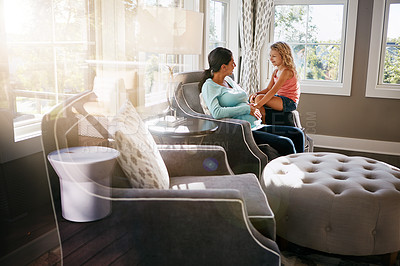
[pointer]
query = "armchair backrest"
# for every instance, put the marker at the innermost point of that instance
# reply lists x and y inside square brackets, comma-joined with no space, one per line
[187,92]
[58,132]
[189,77]
[68,124]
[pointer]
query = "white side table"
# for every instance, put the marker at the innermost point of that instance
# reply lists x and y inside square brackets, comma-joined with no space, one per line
[85,177]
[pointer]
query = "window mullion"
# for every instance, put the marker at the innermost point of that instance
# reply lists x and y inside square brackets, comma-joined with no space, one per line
[342,44]
[53,19]
[382,52]
[306,44]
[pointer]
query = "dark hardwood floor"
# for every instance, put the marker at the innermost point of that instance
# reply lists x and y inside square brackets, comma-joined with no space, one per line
[39,222]
[21,230]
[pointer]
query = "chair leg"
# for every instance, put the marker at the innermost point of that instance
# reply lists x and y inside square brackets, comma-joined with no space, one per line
[390,259]
[309,144]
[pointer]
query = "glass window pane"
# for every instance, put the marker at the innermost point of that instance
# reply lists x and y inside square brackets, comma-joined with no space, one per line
[31,107]
[393,31]
[299,59]
[217,32]
[162,3]
[290,23]
[168,3]
[31,68]
[391,68]
[213,45]
[41,69]
[32,80]
[157,72]
[322,62]
[325,23]
[72,70]
[54,50]
[391,72]
[70,20]
[28,20]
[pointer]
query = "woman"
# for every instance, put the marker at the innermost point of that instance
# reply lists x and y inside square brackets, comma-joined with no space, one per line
[225,99]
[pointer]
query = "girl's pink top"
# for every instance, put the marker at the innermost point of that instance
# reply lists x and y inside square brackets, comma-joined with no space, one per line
[289,89]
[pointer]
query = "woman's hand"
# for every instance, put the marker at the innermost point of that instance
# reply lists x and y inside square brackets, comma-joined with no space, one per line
[255,112]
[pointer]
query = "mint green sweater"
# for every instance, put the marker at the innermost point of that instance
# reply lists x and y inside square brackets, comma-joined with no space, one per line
[227,103]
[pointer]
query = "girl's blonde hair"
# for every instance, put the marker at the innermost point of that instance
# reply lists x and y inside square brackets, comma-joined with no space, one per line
[286,52]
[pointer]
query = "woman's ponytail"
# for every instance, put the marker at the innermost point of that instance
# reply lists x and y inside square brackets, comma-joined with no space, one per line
[208,73]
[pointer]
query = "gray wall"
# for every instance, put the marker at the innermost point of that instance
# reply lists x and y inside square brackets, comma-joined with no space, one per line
[356,116]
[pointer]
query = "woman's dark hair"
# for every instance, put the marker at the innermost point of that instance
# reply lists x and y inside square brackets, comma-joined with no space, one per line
[216,58]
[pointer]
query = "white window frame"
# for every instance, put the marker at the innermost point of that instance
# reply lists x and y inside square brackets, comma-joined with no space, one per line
[342,88]
[232,24]
[374,87]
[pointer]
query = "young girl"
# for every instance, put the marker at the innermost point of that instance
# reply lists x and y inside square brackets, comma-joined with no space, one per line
[283,91]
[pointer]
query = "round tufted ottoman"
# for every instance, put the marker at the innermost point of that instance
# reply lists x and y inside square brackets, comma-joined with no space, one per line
[334,203]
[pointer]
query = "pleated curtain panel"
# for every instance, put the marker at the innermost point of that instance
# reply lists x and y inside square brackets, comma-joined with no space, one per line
[254,26]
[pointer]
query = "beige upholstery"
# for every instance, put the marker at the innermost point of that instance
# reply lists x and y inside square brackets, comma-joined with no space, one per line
[335,203]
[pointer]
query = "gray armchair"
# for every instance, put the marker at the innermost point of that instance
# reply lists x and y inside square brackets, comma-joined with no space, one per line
[234,135]
[206,218]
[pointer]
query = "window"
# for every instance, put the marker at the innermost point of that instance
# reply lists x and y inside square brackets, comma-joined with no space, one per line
[218,24]
[222,26]
[171,55]
[383,78]
[47,44]
[58,48]
[321,35]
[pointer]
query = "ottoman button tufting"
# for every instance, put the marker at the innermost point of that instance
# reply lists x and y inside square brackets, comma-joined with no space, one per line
[369,168]
[311,170]
[281,172]
[369,176]
[358,196]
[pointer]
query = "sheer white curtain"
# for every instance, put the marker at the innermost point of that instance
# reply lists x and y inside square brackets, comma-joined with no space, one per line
[254,25]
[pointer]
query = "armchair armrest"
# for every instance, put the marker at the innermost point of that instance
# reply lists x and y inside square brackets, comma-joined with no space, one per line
[206,226]
[235,136]
[199,160]
[177,227]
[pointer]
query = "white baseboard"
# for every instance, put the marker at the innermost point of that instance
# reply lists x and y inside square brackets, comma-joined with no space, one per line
[353,144]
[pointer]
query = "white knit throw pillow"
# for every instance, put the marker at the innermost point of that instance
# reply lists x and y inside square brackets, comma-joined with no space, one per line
[204,105]
[139,157]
